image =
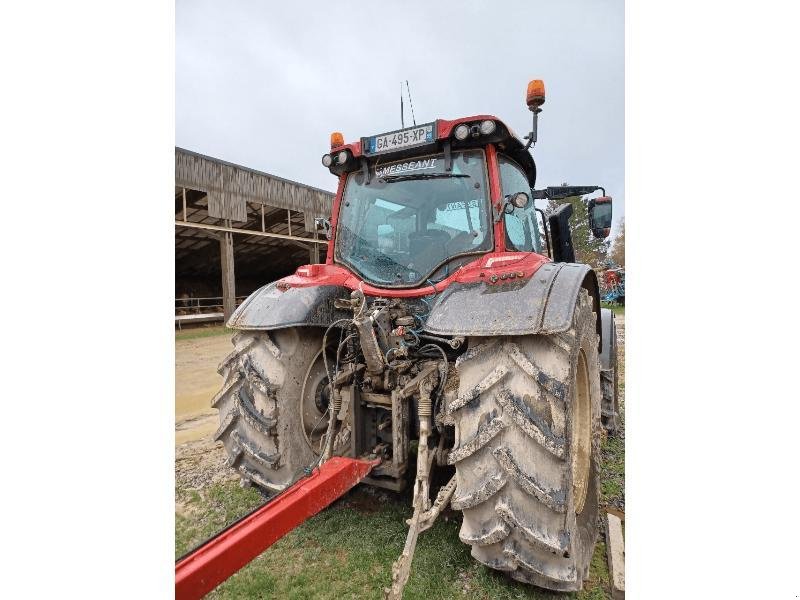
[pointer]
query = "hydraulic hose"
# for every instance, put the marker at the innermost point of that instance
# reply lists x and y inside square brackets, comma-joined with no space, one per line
[334,411]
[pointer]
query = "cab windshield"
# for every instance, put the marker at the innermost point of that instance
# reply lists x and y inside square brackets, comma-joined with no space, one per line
[407,224]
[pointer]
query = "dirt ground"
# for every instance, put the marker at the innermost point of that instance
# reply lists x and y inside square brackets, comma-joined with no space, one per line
[199,460]
[196,382]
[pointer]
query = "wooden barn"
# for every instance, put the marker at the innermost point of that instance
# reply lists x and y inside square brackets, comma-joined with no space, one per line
[235,230]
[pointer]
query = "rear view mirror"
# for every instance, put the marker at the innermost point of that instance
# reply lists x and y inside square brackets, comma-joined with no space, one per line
[600,216]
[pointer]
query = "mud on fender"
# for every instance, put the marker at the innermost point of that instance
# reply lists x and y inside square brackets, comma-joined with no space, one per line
[541,304]
[270,308]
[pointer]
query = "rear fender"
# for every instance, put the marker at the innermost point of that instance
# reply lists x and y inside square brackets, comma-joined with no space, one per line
[542,304]
[270,308]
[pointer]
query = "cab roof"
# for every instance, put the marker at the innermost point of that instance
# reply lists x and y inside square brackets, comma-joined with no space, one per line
[503,137]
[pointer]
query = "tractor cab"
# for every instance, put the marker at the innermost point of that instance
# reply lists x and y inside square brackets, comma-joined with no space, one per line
[416,204]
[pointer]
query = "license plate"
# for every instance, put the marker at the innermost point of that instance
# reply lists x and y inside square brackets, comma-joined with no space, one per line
[401,139]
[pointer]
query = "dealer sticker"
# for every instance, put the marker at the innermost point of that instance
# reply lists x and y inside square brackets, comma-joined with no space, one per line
[410,166]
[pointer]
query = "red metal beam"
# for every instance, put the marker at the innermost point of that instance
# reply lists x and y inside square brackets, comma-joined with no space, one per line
[212,563]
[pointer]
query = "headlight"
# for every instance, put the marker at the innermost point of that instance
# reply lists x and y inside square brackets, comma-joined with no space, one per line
[327,160]
[488,127]
[341,157]
[461,132]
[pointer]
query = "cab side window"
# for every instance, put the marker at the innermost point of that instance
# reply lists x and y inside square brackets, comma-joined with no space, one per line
[522,233]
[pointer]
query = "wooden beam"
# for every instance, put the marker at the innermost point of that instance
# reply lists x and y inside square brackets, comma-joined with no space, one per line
[220,228]
[228,275]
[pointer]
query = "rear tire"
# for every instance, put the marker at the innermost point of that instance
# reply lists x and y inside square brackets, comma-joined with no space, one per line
[259,405]
[526,453]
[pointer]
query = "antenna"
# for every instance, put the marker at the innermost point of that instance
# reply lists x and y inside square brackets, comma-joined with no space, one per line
[402,121]
[409,101]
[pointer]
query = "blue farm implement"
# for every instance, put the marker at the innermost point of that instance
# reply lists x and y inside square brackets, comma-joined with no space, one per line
[612,286]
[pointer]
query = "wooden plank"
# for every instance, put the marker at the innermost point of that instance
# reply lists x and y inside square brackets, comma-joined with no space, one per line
[615,550]
[199,318]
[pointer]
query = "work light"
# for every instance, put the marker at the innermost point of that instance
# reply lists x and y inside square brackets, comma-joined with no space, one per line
[519,200]
[488,127]
[327,160]
[461,132]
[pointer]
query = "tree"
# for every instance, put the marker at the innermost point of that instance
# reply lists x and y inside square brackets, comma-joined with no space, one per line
[588,249]
[617,253]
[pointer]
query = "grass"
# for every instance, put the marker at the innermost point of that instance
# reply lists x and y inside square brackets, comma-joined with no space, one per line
[347,551]
[203,332]
[203,513]
[612,472]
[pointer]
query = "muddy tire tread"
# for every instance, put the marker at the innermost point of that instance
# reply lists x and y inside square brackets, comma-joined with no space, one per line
[257,403]
[513,455]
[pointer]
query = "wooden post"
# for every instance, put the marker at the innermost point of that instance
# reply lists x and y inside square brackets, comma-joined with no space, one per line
[228,276]
[289,218]
[184,204]
[262,217]
[313,252]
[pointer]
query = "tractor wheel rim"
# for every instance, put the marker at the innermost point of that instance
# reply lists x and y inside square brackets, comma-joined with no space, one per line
[581,434]
[314,398]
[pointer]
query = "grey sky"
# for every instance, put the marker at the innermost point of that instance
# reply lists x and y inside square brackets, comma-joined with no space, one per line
[263,85]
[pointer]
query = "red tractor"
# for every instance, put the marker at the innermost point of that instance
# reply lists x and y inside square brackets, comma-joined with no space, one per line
[439,331]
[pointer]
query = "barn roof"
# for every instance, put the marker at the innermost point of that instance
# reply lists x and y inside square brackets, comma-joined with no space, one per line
[230,187]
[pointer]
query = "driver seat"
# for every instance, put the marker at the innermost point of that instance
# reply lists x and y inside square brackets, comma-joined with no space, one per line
[428,248]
